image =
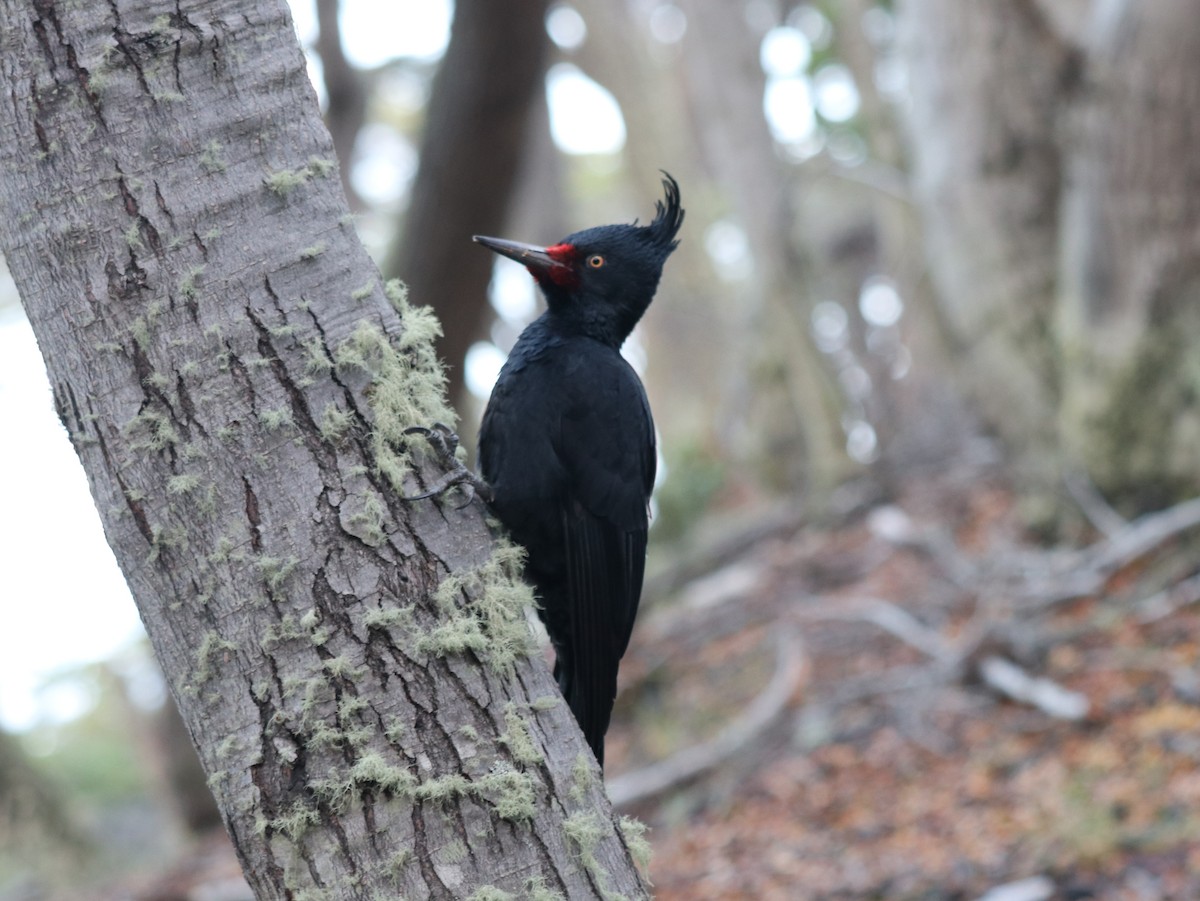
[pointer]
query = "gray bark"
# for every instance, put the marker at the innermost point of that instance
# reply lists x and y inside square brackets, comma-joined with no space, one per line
[1131,256]
[1054,161]
[987,86]
[354,670]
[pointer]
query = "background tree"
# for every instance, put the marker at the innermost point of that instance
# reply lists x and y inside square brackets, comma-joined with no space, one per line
[1048,159]
[236,381]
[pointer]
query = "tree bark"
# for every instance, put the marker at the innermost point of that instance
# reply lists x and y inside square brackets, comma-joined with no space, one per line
[475,132]
[988,81]
[1053,158]
[353,669]
[1131,256]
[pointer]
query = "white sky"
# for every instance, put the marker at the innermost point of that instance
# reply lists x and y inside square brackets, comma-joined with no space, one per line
[63,598]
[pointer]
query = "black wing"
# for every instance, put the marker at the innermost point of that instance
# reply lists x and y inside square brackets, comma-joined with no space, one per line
[606,447]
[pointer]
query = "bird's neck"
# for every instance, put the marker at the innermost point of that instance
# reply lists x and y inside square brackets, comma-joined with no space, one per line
[607,323]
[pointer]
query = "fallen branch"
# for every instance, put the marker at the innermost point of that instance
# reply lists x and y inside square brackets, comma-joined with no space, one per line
[682,766]
[894,620]
[1052,699]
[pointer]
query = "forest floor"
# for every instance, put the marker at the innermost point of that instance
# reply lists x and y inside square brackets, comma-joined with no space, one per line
[916,702]
[897,769]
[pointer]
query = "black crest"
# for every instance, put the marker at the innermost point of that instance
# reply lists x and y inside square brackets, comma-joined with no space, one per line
[668,217]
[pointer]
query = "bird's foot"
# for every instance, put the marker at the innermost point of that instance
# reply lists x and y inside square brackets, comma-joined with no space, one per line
[444,442]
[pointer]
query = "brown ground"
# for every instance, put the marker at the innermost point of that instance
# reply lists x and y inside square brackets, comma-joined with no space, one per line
[927,785]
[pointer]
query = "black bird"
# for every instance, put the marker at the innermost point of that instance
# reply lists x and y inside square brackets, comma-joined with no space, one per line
[567,446]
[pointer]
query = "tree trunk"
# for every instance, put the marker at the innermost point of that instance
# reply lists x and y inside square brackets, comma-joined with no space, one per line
[353,669]
[475,131]
[1131,256]
[1054,162]
[792,399]
[346,90]
[987,84]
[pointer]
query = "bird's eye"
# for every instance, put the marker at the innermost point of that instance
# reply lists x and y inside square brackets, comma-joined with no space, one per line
[595,261]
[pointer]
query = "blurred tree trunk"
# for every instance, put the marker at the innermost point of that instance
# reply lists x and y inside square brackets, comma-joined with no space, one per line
[1131,255]
[353,669]
[346,90]
[791,399]
[1054,159]
[475,131]
[32,812]
[183,777]
[987,84]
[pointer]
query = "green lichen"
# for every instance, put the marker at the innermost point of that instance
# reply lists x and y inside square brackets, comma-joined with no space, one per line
[469,732]
[406,386]
[157,381]
[276,418]
[368,523]
[143,326]
[537,890]
[371,770]
[285,181]
[282,183]
[393,729]
[453,852]
[166,538]
[187,285]
[316,359]
[517,738]
[545,702]
[583,777]
[295,821]
[491,623]
[335,423]
[275,570]
[585,831]
[364,292]
[184,483]
[509,793]
[313,251]
[224,550]
[394,867]
[634,832]
[350,707]
[389,618]
[213,649]
[150,430]
[342,667]
[321,166]
[228,747]
[133,236]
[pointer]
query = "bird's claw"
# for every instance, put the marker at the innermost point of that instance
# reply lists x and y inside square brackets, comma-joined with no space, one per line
[444,442]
